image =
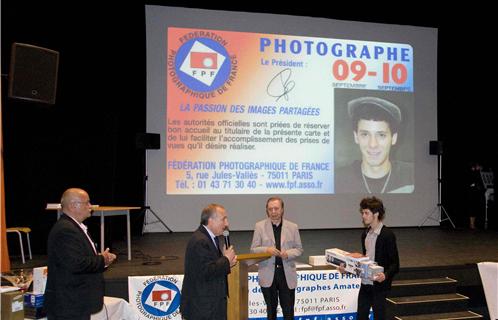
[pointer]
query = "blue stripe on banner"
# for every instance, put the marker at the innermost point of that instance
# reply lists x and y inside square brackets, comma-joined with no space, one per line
[340,316]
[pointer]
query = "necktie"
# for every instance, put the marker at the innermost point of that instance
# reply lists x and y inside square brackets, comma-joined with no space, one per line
[217,244]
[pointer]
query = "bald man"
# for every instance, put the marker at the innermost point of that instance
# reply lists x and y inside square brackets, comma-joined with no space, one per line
[75,283]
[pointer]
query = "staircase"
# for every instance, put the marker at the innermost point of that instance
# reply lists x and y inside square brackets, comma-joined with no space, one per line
[428,299]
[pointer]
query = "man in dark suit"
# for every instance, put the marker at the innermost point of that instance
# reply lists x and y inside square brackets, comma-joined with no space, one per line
[379,244]
[75,284]
[205,286]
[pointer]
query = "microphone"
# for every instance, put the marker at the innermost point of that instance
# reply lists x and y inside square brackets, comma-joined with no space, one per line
[227,238]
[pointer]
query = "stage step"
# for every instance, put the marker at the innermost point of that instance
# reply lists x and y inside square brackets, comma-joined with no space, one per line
[461,315]
[428,299]
[401,288]
[427,304]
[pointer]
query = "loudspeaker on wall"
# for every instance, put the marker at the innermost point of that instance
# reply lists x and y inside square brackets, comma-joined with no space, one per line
[33,73]
[435,147]
[148,141]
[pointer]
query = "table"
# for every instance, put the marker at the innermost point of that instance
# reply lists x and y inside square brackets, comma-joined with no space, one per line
[108,211]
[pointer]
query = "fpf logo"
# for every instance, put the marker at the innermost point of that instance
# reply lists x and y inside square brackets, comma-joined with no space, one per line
[202,64]
[161,298]
[204,60]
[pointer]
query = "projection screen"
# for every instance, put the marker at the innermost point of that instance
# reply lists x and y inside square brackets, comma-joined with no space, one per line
[320,112]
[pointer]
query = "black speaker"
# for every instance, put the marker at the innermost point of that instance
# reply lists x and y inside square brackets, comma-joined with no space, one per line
[148,141]
[435,147]
[33,73]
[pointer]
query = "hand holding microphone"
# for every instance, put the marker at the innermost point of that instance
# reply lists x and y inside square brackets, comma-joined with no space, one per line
[229,251]
[226,235]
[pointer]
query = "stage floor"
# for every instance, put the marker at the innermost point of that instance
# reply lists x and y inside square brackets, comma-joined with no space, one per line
[428,252]
[427,247]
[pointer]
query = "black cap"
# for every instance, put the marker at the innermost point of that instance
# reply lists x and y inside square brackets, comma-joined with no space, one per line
[374,102]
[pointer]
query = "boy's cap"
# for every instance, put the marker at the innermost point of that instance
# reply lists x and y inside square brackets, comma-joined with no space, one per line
[375,102]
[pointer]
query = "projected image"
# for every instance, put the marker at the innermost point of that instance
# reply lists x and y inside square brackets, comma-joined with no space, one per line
[251,113]
[374,142]
[252,105]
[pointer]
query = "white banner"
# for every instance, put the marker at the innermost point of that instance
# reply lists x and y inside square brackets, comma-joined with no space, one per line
[320,295]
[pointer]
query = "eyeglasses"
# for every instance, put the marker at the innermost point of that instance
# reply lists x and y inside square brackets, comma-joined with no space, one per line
[83,202]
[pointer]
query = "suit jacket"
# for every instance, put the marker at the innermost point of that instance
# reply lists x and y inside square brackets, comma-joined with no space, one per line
[386,255]
[205,277]
[75,283]
[290,240]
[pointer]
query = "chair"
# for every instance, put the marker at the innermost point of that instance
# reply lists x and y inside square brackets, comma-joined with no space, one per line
[25,230]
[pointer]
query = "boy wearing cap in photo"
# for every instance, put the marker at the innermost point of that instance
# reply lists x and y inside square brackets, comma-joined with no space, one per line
[375,130]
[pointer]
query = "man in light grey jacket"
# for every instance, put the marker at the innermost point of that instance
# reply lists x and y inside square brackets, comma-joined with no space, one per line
[277,275]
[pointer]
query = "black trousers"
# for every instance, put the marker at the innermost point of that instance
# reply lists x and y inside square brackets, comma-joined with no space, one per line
[371,297]
[279,291]
[206,309]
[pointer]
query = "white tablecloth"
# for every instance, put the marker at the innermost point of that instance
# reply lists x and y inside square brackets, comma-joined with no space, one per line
[117,309]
